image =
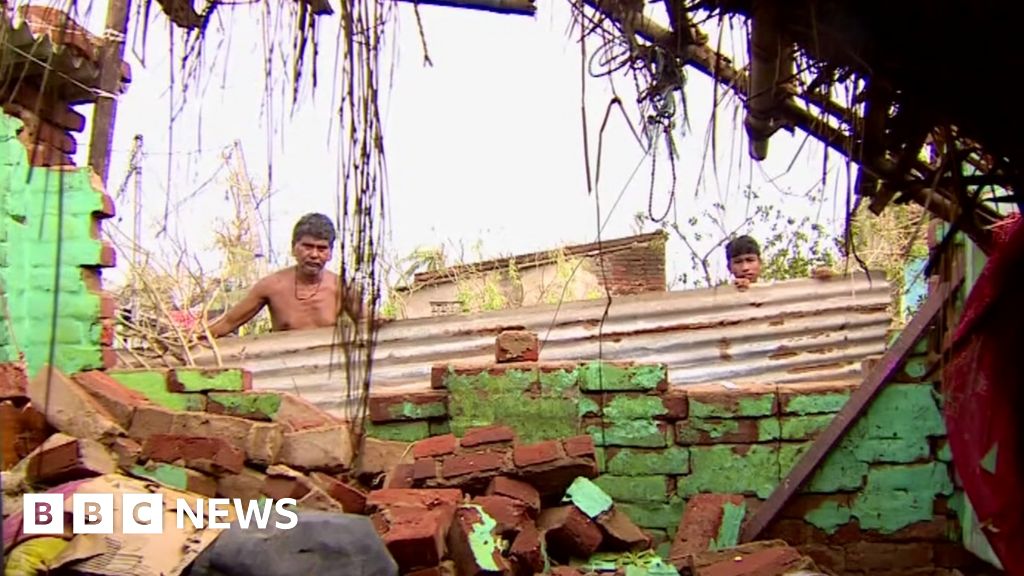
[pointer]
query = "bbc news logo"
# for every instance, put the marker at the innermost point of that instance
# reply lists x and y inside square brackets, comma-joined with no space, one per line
[43,514]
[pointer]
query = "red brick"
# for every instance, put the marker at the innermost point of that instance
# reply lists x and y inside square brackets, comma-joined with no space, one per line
[415,538]
[727,400]
[282,482]
[516,346]
[510,514]
[119,401]
[463,464]
[108,256]
[248,485]
[150,420]
[437,375]
[829,557]
[565,571]
[424,469]
[464,553]
[579,446]
[108,305]
[21,431]
[776,561]
[702,519]
[127,451]
[109,358]
[800,505]
[620,533]
[387,408]
[569,533]
[539,453]
[788,392]
[108,209]
[352,499]
[69,408]
[526,555]
[213,455]
[412,498]
[401,476]
[13,381]
[521,491]
[487,435]
[874,556]
[64,459]
[296,413]
[435,446]
[725,431]
[676,404]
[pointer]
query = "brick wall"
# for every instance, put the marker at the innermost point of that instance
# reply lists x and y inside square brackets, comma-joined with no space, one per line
[883,499]
[634,270]
[38,206]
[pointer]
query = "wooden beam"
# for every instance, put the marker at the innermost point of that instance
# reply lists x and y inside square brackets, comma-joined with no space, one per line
[859,401]
[105,111]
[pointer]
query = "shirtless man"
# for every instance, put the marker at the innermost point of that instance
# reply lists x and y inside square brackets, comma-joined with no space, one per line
[300,297]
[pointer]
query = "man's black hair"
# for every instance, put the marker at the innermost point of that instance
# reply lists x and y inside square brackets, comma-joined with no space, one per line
[742,246]
[316,226]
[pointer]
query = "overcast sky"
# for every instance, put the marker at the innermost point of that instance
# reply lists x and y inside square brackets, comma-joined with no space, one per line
[484,147]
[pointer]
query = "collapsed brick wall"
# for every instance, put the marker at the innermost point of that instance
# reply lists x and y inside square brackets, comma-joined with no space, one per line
[637,269]
[38,206]
[884,498]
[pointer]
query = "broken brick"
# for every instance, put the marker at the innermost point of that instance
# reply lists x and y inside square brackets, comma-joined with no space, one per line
[351,499]
[69,408]
[424,469]
[212,455]
[126,451]
[579,446]
[569,533]
[511,488]
[150,420]
[378,457]
[260,406]
[701,522]
[510,514]
[400,477]
[317,499]
[405,407]
[176,477]
[296,413]
[327,447]
[463,464]
[193,379]
[414,537]
[282,482]
[620,533]
[487,435]
[21,431]
[66,459]
[435,446]
[13,381]
[265,442]
[118,400]
[482,555]
[425,498]
[527,552]
[246,485]
[516,346]
[539,453]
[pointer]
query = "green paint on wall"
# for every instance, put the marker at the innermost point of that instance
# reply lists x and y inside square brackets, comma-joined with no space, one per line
[897,496]
[153,385]
[661,515]
[635,433]
[729,530]
[210,380]
[634,488]
[829,516]
[633,408]
[587,406]
[768,429]
[39,208]
[750,406]
[916,366]
[840,471]
[511,398]
[732,469]
[399,431]
[418,410]
[255,405]
[945,453]
[607,377]
[816,403]
[482,541]
[558,382]
[440,427]
[673,461]
[805,427]
[789,454]
[695,429]
[167,474]
[588,497]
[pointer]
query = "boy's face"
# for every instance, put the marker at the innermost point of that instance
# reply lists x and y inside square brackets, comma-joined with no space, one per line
[746,267]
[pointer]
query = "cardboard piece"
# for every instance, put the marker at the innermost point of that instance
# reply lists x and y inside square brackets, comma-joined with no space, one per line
[119,554]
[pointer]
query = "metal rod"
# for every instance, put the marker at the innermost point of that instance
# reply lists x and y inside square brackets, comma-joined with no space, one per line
[518,7]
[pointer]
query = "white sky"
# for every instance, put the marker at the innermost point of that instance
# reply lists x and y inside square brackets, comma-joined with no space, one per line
[485,146]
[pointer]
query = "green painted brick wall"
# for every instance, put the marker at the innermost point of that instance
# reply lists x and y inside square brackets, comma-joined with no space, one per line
[38,207]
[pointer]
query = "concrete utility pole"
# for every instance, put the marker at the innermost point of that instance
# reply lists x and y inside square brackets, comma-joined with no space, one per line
[105,111]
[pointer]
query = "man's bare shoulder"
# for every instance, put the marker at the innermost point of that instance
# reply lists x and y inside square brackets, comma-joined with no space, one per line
[276,280]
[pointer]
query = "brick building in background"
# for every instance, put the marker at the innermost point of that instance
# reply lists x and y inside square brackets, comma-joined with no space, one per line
[631,265]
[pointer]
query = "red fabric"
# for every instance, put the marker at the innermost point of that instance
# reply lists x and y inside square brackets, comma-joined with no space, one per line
[984,388]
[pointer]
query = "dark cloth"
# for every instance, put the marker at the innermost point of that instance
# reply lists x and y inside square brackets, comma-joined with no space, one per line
[321,544]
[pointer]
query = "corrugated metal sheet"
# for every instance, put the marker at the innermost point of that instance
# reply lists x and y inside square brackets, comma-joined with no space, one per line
[789,332]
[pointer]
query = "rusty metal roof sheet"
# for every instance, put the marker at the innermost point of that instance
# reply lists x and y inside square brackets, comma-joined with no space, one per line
[788,332]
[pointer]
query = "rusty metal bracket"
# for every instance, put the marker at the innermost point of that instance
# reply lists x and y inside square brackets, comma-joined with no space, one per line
[859,401]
